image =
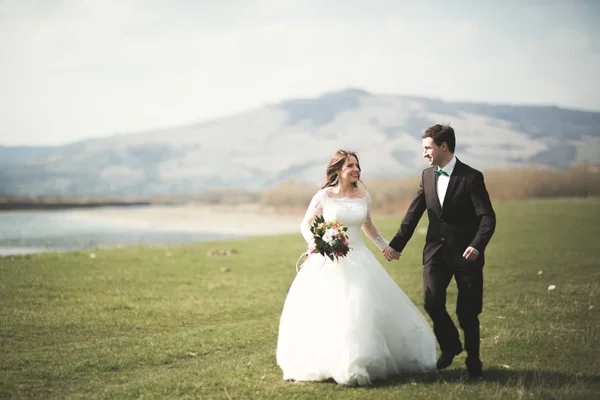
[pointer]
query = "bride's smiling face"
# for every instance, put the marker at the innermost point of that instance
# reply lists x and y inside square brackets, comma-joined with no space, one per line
[350,172]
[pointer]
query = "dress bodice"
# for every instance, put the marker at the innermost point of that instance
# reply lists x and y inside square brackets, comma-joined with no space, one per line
[354,213]
[351,212]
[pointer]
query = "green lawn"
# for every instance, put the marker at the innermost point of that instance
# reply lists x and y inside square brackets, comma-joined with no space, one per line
[165,322]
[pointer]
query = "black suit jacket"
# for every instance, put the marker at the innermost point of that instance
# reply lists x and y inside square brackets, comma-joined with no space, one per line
[467,217]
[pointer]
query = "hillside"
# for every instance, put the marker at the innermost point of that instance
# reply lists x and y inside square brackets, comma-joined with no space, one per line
[294,139]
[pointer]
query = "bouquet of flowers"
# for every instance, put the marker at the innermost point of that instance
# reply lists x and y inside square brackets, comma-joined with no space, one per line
[330,239]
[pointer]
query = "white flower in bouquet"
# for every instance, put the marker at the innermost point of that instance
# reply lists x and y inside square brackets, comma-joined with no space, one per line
[329,236]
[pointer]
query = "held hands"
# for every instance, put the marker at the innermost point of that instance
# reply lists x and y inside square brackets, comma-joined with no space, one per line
[390,254]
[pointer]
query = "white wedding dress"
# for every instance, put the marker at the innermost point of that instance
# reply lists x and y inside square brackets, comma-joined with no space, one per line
[347,319]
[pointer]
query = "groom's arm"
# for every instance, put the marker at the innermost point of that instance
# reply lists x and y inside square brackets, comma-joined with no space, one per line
[484,211]
[410,221]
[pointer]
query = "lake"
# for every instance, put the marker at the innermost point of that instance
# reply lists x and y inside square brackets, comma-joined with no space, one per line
[25,232]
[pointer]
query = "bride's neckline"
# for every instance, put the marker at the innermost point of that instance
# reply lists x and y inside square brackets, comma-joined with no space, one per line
[345,197]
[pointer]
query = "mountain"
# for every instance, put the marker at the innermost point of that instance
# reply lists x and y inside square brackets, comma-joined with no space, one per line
[21,154]
[295,139]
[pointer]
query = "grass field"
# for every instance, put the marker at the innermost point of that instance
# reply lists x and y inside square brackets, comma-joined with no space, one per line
[166,322]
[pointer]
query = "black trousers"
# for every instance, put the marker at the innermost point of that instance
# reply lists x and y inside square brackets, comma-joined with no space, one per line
[437,274]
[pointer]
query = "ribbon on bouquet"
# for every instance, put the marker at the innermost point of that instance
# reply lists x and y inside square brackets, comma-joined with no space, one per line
[305,254]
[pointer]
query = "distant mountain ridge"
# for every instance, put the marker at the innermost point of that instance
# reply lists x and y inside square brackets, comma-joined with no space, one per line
[295,139]
[22,154]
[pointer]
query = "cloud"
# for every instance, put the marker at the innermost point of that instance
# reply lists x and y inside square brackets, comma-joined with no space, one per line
[93,68]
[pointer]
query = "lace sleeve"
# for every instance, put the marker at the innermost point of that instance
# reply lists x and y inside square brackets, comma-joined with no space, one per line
[315,208]
[369,228]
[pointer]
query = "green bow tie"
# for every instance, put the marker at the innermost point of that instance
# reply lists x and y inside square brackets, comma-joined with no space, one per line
[439,172]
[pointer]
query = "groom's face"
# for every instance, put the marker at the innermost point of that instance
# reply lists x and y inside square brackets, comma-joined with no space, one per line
[432,152]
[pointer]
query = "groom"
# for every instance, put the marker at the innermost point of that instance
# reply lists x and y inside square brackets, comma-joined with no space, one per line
[461,223]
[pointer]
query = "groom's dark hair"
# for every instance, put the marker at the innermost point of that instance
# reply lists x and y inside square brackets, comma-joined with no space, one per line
[440,134]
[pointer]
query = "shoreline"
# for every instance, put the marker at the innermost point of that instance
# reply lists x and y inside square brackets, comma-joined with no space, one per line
[7,207]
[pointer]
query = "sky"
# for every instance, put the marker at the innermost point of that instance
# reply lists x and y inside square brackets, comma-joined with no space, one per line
[78,69]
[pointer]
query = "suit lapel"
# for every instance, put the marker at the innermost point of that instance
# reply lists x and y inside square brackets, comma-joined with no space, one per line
[437,207]
[452,183]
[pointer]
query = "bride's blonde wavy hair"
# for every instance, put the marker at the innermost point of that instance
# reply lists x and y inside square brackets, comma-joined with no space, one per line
[336,164]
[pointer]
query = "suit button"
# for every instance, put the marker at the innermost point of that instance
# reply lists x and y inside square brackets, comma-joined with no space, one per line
[442,239]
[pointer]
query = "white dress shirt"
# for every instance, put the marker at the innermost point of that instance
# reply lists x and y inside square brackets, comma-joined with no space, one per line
[443,180]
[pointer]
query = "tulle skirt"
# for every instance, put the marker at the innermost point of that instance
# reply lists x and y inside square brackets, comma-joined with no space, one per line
[350,321]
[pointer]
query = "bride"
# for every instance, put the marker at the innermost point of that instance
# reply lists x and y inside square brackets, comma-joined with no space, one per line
[347,319]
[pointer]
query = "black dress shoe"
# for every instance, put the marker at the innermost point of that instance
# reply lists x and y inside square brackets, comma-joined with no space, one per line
[475,368]
[446,359]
